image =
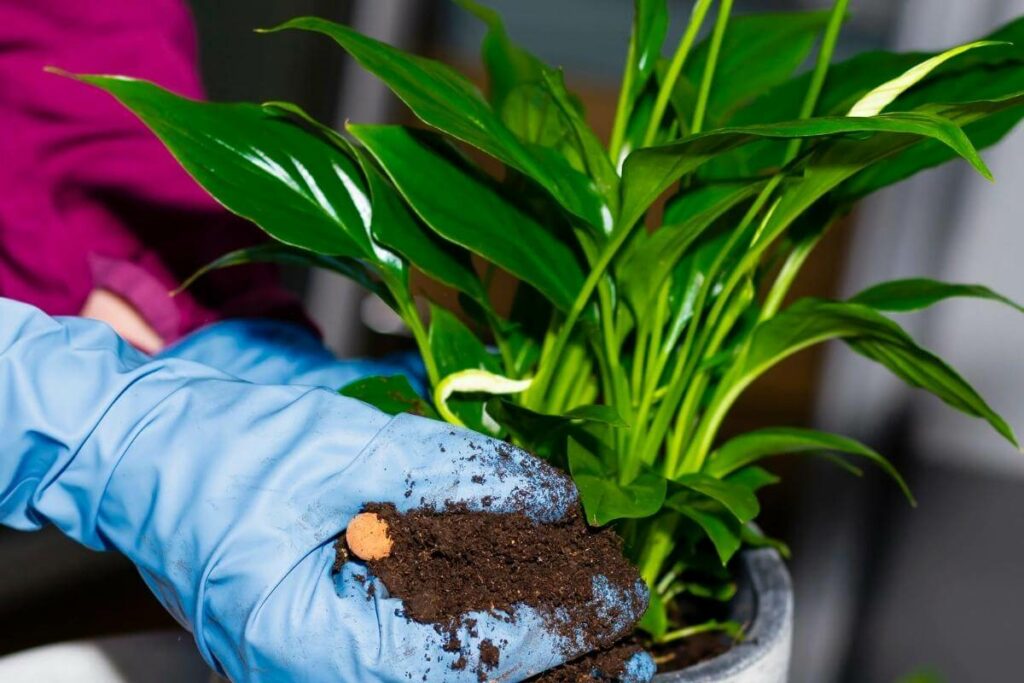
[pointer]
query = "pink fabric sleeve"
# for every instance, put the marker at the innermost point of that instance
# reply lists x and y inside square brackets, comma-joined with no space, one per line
[88,196]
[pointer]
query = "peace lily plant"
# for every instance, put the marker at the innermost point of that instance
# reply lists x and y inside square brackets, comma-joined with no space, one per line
[653,271]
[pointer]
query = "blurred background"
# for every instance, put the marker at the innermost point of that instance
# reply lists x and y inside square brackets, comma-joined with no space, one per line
[882,590]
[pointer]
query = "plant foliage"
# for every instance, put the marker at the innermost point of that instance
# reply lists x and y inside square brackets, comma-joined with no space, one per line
[630,338]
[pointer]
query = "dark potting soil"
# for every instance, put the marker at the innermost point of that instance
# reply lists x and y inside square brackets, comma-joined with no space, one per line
[447,564]
[597,667]
[689,651]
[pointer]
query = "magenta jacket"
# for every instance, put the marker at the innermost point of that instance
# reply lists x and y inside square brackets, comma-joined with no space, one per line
[89,197]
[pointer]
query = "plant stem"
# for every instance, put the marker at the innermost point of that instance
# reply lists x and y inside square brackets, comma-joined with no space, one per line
[828,47]
[729,627]
[700,111]
[700,10]
[411,317]
[624,108]
[787,274]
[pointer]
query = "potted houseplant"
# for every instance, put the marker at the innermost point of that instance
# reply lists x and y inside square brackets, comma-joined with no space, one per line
[653,270]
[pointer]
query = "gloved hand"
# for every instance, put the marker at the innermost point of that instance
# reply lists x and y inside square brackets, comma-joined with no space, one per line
[227,495]
[277,352]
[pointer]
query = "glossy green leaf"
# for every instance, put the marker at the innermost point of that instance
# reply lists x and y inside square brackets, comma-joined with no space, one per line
[591,150]
[811,321]
[443,98]
[717,523]
[282,253]
[392,395]
[917,293]
[475,381]
[395,226]
[463,206]
[650,25]
[737,499]
[737,454]
[295,185]
[850,80]
[881,97]
[992,73]
[649,172]
[455,347]
[759,51]
[752,477]
[604,499]
[838,161]
[508,65]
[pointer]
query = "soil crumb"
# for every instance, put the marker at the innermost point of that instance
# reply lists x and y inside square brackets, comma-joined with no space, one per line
[446,564]
[601,666]
[689,651]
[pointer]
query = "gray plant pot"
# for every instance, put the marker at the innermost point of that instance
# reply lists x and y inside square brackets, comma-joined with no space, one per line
[765,601]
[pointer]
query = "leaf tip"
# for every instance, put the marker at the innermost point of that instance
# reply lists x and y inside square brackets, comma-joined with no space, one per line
[57,71]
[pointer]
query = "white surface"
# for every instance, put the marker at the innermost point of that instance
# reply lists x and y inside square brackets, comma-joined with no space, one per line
[166,657]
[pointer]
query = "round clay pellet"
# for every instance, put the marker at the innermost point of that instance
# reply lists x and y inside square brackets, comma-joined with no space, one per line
[367,537]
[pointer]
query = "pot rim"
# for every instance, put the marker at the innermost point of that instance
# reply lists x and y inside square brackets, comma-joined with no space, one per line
[764,574]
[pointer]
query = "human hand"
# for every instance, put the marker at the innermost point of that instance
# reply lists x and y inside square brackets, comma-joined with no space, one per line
[227,496]
[277,352]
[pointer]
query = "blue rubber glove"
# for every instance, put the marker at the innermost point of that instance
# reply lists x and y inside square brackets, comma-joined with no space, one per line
[277,352]
[227,495]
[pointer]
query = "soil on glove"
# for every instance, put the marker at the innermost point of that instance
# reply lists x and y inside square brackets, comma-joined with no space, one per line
[447,564]
[597,667]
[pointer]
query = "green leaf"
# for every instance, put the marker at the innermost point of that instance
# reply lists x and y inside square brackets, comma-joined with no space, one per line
[475,381]
[597,413]
[649,172]
[281,253]
[443,98]
[759,51]
[737,454]
[917,293]
[755,539]
[811,321]
[392,395]
[592,151]
[604,499]
[455,348]
[394,226]
[752,477]
[650,26]
[297,186]
[717,523]
[508,65]
[463,206]
[881,97]
[454,345]
[737,499]
[838,161]
[655,619]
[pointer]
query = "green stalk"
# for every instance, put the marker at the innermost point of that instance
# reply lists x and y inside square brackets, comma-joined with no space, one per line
[787,274]
[624,108]
[700,10]
[828,47]
[724,12]
[686,362]
[411,317]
